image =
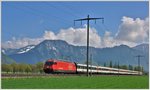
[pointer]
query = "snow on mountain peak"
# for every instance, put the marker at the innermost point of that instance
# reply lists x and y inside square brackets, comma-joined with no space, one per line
[26,49]
[53,48]
[3,51]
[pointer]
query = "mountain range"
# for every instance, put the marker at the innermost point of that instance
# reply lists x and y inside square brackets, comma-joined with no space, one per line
[59,49]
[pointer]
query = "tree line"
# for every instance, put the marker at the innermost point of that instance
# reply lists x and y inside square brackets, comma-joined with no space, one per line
[38,67]
[22,68]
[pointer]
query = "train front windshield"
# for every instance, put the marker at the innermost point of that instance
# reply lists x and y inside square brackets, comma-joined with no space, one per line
[49,63]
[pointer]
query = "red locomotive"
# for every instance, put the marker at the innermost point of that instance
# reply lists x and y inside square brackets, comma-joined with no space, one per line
[57,66]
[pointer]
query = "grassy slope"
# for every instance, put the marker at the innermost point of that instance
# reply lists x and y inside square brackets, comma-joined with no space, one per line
[6,59]
[76,82]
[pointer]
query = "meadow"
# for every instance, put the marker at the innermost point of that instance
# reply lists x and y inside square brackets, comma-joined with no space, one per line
[77,82]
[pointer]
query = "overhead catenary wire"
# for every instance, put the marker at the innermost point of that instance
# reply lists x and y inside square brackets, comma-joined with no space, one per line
[70,10]
[99,27]
[45,13]
[66,11]
[31,12]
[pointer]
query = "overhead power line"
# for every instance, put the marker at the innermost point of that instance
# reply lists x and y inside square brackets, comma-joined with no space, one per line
[69,9]
[45,13]
[41,14]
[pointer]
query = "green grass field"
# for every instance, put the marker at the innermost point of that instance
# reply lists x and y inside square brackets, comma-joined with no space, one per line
[77,82]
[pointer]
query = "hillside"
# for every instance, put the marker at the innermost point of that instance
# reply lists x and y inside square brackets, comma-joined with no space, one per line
[6,60]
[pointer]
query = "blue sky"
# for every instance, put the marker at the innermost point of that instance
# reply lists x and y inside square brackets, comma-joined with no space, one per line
[31,19]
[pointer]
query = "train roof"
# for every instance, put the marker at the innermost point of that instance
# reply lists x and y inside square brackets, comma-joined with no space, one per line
[60,60]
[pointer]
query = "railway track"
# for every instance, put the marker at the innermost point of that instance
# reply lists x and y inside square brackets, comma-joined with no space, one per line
[37,75]
[50,75]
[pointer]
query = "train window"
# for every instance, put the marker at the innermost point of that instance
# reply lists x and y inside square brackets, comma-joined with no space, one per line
[49,63]
[55,63]
[80,67]
[83,67]
[93,68]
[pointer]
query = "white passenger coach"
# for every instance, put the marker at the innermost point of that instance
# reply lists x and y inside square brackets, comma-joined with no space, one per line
[82,68]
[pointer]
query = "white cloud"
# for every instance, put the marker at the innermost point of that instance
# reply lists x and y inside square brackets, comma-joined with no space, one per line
[108,40]
[74,36]
[49,35]
[135,31]
[21,42]
[131,32]
[78,36]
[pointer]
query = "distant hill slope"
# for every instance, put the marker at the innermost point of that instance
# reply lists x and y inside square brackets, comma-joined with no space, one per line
[142,47]
[6,60]
[62,50]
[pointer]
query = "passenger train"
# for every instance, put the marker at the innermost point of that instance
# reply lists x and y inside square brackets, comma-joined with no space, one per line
[58,66]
